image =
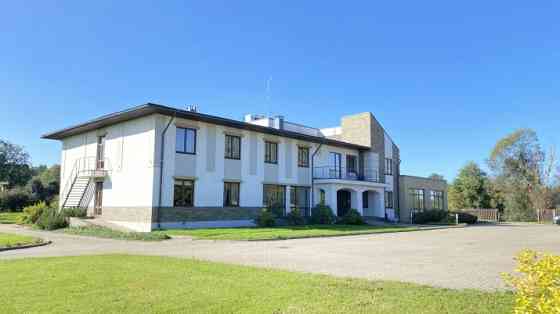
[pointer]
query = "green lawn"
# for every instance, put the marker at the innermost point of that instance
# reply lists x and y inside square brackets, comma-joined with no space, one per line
[9,218]
[278,233]
[101,232]
[13,240]
[142,284]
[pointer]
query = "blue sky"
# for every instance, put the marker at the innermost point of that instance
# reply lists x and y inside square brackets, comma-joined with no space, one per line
[446,79]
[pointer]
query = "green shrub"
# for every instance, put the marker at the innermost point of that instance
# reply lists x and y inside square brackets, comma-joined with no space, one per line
[295,217]
[32,213]
[322,215]
[74,212]
[265,218]
[51,219]
[352,217]
[466,218]
[431,215]
[14,200]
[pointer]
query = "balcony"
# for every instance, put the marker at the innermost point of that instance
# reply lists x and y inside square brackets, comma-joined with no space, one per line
[343,173]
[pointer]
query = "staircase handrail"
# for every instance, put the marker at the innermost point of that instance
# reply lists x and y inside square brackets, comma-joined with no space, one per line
[82,165]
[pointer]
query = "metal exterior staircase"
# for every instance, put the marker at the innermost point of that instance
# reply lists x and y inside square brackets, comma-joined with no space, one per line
[79,187]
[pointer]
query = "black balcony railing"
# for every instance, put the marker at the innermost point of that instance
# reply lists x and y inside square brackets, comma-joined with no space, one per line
[343,173]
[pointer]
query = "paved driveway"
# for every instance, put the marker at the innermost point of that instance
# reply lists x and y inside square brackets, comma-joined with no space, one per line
[471,257]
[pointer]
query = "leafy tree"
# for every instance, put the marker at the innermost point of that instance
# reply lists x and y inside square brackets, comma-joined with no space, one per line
[470,189]
[524,173]
[14,164]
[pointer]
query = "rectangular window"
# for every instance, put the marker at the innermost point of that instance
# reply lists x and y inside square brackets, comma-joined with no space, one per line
[185,141]
[417,199]
[388,199]
[274,198]
[365,199]
[335,168]
[233,147]
[184,193]
[437,199]
[231,194]
[351,164]
[299,198]
[389,166]
[303,157]
[271,152]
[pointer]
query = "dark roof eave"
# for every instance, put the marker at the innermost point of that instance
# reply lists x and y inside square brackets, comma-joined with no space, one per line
[151,108]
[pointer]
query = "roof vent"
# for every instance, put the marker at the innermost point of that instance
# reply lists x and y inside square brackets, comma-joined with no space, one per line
[192,108]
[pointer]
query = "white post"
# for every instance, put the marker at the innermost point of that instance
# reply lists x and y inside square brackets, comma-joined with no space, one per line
[456,219]
[359,199]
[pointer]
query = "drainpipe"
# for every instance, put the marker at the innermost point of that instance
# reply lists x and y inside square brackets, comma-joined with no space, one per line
[312,176]
[162,154]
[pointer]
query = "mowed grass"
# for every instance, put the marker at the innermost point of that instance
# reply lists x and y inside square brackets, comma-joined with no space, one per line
[9,218]
[102,232]
[8,240]
[142,284]
[281,233]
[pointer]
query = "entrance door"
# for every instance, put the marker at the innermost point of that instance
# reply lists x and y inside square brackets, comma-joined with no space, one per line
[98,201]
[100,156]
[344,202]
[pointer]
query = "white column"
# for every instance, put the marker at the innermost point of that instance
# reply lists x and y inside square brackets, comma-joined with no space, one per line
[360,202]
[382,202]
[331,198]
[288,198]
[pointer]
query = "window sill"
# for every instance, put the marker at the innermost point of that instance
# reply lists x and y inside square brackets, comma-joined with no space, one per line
[185,153]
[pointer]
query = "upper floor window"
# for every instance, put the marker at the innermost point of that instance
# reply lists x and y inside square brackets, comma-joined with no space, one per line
[185,141]
[437,199]
[417,199]
[271,152]
[303,157]
[233,147]
[389,166]
[388,199]
[351,164]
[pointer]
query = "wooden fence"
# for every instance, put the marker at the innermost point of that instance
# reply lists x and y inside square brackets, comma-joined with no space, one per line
[486,214]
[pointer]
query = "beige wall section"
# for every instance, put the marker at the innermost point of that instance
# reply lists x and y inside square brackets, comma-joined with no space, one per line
[410,182]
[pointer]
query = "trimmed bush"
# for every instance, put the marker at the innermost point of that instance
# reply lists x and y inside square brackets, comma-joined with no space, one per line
[14,200]
[322,215]
[431,215]
[32,213]
[265,218]
[295,217]
[352,217]
[51,219]
[466,218]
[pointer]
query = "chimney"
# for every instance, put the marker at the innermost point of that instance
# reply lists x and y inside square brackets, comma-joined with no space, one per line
[278,122]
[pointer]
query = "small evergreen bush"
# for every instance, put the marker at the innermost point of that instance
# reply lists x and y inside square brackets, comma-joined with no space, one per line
[466,218]
[295,217]
[32,213]
[431,215]
[352,217]
[74,212]
[265,218]
[51,219]
[322,215]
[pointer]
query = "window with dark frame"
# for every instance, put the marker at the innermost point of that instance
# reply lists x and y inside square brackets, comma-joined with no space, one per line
[270,152]
[322,197]
[233,147]
[231,194]
[365,199]
[185,141]
[303,157]
[351,164]
[183,193]
[389,166]
[299,198]
[274,197]
[437,199]
[388,199]
[417,199]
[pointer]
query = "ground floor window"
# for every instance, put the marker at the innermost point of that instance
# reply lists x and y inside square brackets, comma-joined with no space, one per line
[322,197]
[437,199]
[231,194]
[388,199]
[183,193]
[274,197]
[299,198]
[365,199]
[417,199]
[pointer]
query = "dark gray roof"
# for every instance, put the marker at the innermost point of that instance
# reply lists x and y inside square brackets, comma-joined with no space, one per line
[151,108]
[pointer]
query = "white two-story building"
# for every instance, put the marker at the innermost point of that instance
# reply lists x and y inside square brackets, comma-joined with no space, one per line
[154,166]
